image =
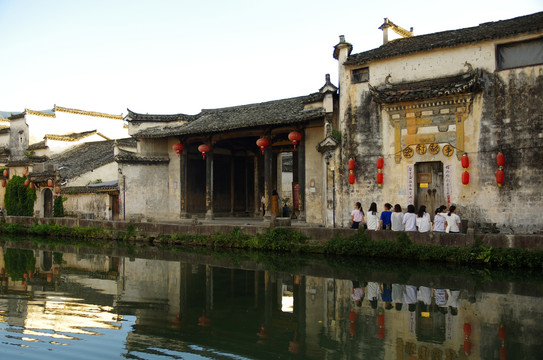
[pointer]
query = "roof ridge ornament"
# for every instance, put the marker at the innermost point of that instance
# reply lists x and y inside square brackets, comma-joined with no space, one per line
[397,29]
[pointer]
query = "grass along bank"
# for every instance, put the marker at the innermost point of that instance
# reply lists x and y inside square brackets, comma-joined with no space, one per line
[287,239]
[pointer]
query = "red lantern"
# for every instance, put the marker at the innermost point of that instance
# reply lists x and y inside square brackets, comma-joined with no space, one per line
[380,179]
[5,173]
[4,183]
[352,316]
[178,148]
[351,164]
[27,182]
[465,178]
[25,172]
[467,347]
[295,137]
[31,186]
[263,142]
[500,177]
[380,163]
[352,178]
[57,190]
[502,334]
[465,161]
[204,149]
[50,183]
[467,330]
[381,320]
[500,159]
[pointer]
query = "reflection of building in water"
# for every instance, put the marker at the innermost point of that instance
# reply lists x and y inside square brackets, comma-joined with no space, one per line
[262,313]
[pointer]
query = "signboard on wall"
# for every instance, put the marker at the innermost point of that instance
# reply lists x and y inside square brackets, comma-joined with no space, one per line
[411,184]
[447,181]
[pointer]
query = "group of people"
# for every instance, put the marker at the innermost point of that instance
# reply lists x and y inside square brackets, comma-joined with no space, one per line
[444,220]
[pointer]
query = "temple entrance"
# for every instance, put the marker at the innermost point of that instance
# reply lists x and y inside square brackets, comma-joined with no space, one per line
[47,203]
[430,186]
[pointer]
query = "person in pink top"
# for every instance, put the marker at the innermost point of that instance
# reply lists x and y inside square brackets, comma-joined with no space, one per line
[357,216]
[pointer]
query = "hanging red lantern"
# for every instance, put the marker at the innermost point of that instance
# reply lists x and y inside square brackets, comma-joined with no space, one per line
[295,137]
[50,183]
[352,316]
[25,172]
[380,179]
[351,164]
[500,159]
[57,190]
[4,183]
[500,177]
[352,178]
[5,173]
[467,347]
[263,143]
[31,186]
[178,148]
[465,161]
[380,163]
[502,334]
[467,330]
[204,149]
[27,182]
[465,178]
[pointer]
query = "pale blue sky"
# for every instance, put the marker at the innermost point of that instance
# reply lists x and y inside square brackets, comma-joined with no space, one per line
[181,56]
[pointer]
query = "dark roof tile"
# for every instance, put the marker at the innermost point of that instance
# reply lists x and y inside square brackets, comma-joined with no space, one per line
[444,39]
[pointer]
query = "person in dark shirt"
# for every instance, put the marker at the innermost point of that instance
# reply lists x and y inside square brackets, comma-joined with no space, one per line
[384,223]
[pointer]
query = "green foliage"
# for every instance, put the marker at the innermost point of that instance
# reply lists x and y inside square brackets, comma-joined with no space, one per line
[19,200]
[278,239]
[336,134]
[57,258]
[58,206]
[18,262]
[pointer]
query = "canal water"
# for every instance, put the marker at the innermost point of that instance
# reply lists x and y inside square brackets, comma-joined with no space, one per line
[145,302]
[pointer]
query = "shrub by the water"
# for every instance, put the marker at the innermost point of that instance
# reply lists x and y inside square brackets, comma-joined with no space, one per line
[19,199]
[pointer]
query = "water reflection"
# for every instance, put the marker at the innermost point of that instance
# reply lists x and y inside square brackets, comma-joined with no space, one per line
[79,304]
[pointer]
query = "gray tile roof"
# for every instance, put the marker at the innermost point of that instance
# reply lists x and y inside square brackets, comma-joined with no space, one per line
[451,38]
[90,189]
[73,136]
[426,89]
[132,116]
[132,157]
[38,146]
[209,121]
[82,158]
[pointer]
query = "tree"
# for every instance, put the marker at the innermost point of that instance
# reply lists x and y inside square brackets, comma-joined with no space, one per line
[58,208]
[19,199]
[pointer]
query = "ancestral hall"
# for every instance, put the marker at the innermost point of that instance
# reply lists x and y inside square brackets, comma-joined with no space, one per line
[449,118]
[210,165]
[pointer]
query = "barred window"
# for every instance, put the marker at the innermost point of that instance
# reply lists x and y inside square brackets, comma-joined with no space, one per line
[520,54]
[361,75]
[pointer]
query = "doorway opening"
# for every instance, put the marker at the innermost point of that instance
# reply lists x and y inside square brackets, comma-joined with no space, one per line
[430,186]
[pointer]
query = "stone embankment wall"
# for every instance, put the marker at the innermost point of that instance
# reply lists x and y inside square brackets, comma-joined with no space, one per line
[316,234]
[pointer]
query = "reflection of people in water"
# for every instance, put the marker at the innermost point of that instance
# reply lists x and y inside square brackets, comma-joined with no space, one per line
[386,295]
[358,293]
[372,290]
[410,297]
[441,296]
[453,301]
[397,296]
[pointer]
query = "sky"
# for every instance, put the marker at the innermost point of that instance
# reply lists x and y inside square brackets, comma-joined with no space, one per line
[169,57]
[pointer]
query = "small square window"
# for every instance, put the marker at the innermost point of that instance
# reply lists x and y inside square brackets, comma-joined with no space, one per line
[361,75]
[520,54]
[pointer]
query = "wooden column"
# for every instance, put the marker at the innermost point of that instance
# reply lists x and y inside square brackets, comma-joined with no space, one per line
[258,195]
[232,187]
[301,176]
[209,186]
[268,181]
[183,159]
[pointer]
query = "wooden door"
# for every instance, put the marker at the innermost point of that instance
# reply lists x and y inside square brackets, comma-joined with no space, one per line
[114,206]
[430,186]
[47,203]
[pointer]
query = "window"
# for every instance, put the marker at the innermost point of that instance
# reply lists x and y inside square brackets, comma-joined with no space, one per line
[361,75]
[520,54]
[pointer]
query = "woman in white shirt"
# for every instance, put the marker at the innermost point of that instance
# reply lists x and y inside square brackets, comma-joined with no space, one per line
[452,221]
[423,220]
[410,219]
[396,218]
[439,219]
[372,217]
